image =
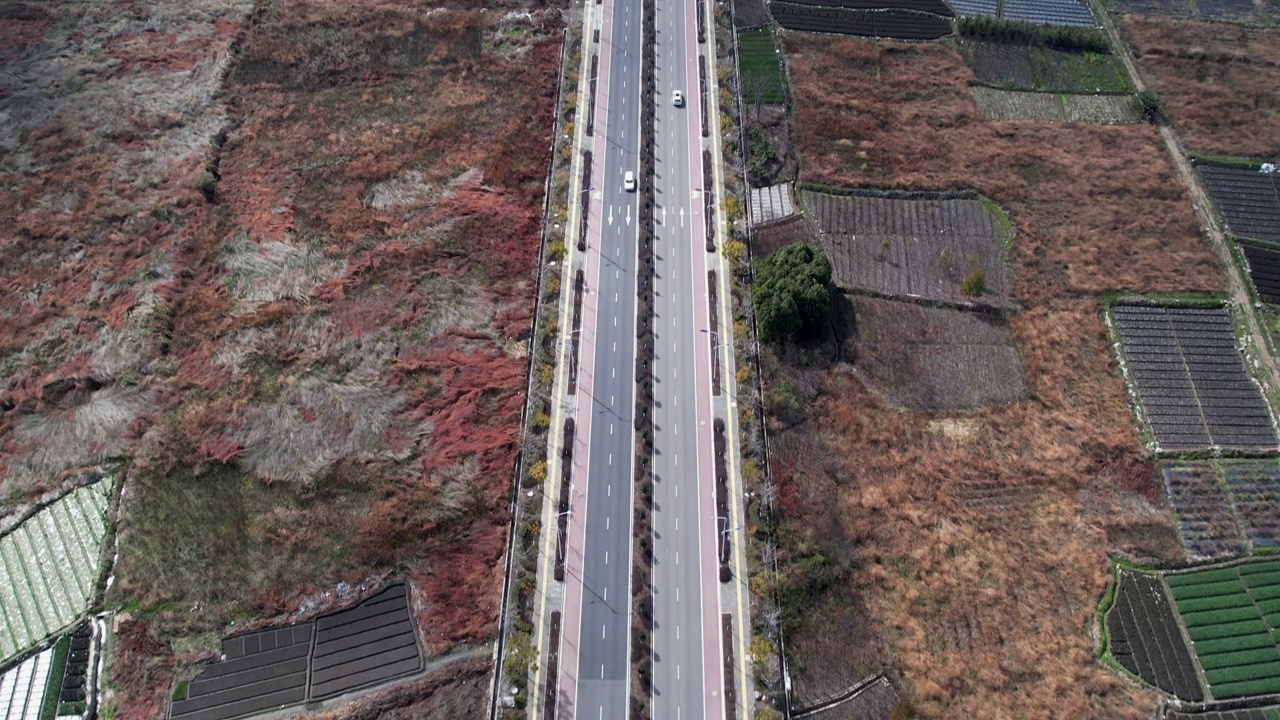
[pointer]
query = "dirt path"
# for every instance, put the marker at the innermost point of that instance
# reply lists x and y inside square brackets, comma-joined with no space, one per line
[1237,283]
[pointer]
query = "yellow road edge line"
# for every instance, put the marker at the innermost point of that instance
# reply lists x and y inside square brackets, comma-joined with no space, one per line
[549,520]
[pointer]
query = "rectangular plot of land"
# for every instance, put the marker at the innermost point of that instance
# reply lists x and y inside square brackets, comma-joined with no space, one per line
[1049,12]
[1248,200]
[1016,105]
[936,358]
[918,247]
[772,203]
[1255,490]
[368,644]
[1235,643]
[1228,10]
[1190,379]
[1264,271]
[1206,522]
[1145,639]
[1172,8]
[260,671]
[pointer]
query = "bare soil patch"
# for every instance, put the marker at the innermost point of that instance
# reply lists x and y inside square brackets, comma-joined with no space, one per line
[933,358]
[978,557]
[1218,82]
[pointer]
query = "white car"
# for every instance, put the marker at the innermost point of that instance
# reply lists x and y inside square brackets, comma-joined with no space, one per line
[629,181]
[677,98]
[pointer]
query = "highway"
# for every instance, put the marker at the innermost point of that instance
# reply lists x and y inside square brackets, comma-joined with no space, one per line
[687,667]
[594,649]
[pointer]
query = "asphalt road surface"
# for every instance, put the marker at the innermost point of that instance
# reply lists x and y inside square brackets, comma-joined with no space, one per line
[598,595]
[686,641]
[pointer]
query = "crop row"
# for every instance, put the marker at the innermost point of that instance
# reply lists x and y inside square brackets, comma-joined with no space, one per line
[48,568]
[1230,615]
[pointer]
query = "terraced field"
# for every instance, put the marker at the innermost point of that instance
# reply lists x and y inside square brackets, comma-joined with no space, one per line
[935,358]
[1041,12]
[48,567]
[1264,271]
[996,104]
[1267,713]
[1232,616]
[1145,639]
[368,644]
[889,23]
[22,688]
[1190,379]
[919,246]
[1248,200]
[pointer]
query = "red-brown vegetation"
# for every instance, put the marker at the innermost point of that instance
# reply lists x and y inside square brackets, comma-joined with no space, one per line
[974,547]
[1218,82]
[311,290]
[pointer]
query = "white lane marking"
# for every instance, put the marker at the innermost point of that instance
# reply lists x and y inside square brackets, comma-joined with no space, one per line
[615,321]
[602,707]
[602,677]
[602,628]
[677,491]
[675,428]
[609,491]
[677,627]
[606,522]
[615,297]
[615,346]
[610,458]
[677,672]
[611,400]
[606,557]
[675,460]
[675,401]
[610,428]
[606,594]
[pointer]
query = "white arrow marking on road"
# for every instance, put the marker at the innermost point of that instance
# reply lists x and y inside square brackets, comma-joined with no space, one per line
[681,217]
[628,214]
[610,214]
[664,216]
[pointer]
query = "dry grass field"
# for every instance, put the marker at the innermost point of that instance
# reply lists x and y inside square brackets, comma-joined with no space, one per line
[279,261]
[973,546]
[1218,82]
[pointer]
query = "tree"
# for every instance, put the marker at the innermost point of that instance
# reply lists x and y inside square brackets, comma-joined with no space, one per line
[793,292]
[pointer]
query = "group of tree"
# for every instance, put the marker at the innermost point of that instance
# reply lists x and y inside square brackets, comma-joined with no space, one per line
[793,293]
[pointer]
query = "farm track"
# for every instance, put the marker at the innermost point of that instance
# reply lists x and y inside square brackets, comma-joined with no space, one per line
[1236,281]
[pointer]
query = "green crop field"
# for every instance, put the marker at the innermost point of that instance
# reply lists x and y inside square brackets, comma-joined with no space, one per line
[1231,616]
[761,67]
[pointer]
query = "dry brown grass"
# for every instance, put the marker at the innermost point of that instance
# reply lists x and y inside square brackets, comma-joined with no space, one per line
[1219,82]
[980,557]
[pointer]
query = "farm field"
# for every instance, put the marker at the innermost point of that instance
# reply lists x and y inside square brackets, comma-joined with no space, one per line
[1203,508]
[935,7]
[287,286]
[1040,12]
[1190,379]
[1021,67]
[1219,83]
[980,536]
[1266,713]
[1248,200]
[934,358]
[49,567]
[22,687]
[996,104]
[771,204]
[370,643]
[1235,11]
[891,23]
[1264,271]
[1230,615]
[922,246]
[1145,639]
[760,66]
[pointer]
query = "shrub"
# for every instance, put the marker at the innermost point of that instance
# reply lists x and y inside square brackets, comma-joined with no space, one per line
[1150,103]
[793,292]
[974,284]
